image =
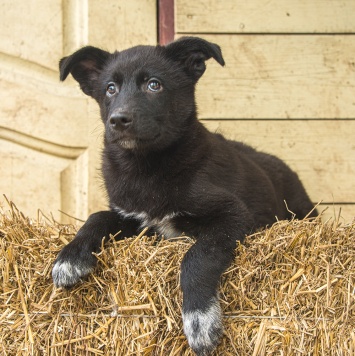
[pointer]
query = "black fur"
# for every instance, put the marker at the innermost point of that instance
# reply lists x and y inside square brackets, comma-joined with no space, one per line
[164,170]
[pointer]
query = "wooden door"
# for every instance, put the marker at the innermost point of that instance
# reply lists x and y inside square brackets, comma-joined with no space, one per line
[50,133]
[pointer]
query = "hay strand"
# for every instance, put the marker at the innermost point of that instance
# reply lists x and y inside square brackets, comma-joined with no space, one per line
[290,291]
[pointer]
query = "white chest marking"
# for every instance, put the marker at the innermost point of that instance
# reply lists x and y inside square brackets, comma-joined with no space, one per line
[140,216]
[164,226]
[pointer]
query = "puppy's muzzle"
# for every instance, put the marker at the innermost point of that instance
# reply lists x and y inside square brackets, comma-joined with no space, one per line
[120,121]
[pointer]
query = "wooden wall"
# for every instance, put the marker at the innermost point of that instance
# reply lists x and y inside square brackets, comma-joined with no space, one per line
[50,133]
[288,86]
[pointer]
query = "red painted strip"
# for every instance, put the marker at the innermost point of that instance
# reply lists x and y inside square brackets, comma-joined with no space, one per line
[166,21]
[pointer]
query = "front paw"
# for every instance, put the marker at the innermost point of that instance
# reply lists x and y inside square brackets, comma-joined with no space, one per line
[72,264]
[203,328]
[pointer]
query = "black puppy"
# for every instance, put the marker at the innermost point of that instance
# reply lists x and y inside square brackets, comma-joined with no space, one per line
[165,171]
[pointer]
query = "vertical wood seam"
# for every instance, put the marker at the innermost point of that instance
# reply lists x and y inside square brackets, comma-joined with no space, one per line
[75,24]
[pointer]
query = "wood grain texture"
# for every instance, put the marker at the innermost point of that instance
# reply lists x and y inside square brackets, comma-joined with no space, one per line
[280,76]
[117,25]
[43,115]
[321,152]
[74,186]
[344,213]
[32,30]
[50,132]
[31,178]
[75,25]
[39,145]
[271,16]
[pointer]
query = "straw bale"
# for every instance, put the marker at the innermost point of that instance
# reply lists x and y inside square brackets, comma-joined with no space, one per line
[291,291]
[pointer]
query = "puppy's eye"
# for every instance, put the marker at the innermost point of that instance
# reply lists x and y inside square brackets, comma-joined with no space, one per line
[154,85]
[111,89]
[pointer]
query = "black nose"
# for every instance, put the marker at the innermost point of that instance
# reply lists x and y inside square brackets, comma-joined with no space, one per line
[120,121]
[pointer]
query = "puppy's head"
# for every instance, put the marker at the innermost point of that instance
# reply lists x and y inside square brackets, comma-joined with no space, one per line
[145,93]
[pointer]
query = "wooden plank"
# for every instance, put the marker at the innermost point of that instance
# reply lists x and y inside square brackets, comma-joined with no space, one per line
[117,25]
[280,76]
[41,114]
[344,213]
[31,178]
[32,31]
[321,152]
[258,16]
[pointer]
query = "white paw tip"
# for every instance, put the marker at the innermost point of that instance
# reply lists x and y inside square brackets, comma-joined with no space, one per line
[203,329]
[65,274]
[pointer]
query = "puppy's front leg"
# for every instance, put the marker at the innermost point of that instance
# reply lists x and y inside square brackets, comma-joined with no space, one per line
[76,260]
[201,269]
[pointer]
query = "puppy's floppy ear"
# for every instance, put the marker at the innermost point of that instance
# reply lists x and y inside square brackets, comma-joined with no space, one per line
[192,52]
[85,66]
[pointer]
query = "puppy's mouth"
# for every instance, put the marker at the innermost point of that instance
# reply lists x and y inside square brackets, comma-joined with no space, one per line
[129,144]
[132,143]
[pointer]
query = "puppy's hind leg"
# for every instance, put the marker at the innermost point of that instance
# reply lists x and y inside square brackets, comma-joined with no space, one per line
[76,260]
